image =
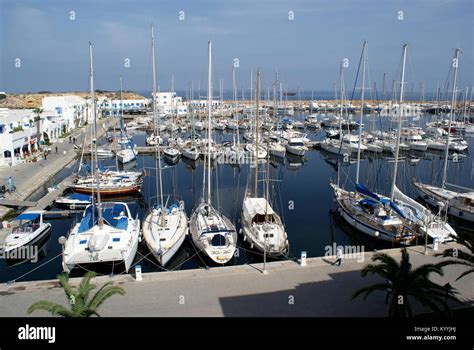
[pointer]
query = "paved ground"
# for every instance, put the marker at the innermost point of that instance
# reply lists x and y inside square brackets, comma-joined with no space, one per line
[319,289]
[28,177]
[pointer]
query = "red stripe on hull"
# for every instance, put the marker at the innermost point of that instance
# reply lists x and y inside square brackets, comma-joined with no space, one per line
[113,192]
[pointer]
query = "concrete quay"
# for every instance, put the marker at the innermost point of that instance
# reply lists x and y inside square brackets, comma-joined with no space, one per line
[29,177]
[318,289]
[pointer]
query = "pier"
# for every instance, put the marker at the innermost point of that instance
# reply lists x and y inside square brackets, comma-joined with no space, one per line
[288,289]
[29,177]
[16,203]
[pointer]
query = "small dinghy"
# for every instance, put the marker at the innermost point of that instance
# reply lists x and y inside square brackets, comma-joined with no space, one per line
[74,201]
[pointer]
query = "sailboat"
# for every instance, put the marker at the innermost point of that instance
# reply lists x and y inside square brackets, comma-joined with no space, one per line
[166,225]
[366,211]
[360,207]
[190,149]
[111,183]
[171,153]
[211,231]
[107,232]
[276,148]
[261,225]
[454,203]
[127,152]
[254,149]
[335,141]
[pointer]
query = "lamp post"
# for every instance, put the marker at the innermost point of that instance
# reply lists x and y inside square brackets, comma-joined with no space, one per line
[265,229]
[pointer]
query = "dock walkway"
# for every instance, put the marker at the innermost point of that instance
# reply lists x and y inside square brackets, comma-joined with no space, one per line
[29,177]
[319,289]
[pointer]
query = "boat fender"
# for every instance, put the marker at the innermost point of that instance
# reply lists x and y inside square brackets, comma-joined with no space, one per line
[461,213]
[251,246]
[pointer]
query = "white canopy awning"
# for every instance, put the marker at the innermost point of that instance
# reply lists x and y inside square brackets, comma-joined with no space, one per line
[256,206]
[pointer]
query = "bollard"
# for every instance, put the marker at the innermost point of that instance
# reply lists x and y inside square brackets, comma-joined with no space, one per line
[435,244]
[303,259]
[339,254]
[138,273]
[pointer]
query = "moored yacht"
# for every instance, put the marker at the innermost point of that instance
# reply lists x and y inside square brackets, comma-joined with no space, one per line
[211,231]
[107,233]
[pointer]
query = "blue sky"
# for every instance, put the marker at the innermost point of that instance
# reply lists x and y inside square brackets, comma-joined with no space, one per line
[306,51]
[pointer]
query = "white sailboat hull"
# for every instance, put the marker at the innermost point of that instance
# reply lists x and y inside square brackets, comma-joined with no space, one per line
[164,243]
[203,234]
[126,156]
[439,203]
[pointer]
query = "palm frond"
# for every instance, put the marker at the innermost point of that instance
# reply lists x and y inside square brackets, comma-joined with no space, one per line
[105,292]
[64,281]
[53,308]
[85,287]
[368,290]
[465,273]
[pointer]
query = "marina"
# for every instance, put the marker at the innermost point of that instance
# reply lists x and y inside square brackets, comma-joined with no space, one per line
[299,192]
[237,160]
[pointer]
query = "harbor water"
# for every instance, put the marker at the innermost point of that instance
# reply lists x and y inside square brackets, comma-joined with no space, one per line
[300,193]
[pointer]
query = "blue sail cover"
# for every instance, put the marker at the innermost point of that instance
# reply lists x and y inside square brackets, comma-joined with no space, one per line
[80,197]
[111,215]
[28,216]
[397,209]
[369,202]
[365,191]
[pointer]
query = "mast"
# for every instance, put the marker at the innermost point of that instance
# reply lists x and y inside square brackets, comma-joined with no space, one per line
[397,150]
[209,112]
[191,97]
[159,183]
[437,98]
[234,97]
[257,114]
[251,89]
[453,101]
[121,116]
[383,88]
[341,72]
[94,141]
[364,57]
[464,115]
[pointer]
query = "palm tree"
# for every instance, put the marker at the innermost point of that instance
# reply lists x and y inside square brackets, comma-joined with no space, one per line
[402,282]
[37,111]
[461,257]
[81,304]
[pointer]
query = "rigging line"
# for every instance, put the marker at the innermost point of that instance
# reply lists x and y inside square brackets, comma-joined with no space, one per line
[197,252]
[146,257]
[36,268]
[87,270]
[357,76]
[185,261]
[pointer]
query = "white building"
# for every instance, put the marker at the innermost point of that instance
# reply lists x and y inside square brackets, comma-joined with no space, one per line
[199,104]
[67,112]
[17,135]
[129,106]
[170,103]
